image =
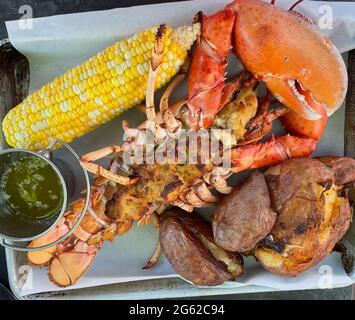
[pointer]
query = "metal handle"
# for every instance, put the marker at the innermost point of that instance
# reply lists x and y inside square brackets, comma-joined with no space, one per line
[81,216]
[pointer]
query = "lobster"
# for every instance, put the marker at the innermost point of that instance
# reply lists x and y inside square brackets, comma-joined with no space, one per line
[272,53]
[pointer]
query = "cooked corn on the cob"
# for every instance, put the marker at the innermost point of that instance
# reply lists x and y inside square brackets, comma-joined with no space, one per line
[96,91]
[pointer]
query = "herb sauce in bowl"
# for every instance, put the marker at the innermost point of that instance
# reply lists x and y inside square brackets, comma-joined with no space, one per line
[31,188]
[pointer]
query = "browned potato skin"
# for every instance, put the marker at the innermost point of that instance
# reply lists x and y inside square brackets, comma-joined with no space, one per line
[186,253]
[312,213]
[343,168]
[245,216]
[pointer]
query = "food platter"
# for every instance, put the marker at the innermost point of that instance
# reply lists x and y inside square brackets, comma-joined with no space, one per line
[157,288]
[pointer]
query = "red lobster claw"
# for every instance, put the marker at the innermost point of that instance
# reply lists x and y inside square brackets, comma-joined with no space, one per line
[206,80]
[299,65]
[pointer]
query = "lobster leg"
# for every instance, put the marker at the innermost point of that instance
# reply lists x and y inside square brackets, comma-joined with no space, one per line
[153,73]
[155,257]
[217,178]
[264,126]
[183,205]
[86,163]
[166,114]
[98,154]
[160,133]
[261,125]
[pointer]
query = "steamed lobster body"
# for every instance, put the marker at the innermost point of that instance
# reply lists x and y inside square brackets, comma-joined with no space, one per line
[121,198]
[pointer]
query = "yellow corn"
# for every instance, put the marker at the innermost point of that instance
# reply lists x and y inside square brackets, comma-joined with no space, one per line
[96,91]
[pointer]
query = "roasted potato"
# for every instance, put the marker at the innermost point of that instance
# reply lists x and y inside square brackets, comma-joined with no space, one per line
[313,212]
[245,216]
[187,242]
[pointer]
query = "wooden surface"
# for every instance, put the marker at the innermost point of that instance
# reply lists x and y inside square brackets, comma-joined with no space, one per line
[350,148]
[14,80]
[350,108]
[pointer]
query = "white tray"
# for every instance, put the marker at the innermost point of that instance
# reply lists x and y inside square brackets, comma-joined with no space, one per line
[150,289]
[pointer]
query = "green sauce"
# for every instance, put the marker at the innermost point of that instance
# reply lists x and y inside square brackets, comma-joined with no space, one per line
[31,188]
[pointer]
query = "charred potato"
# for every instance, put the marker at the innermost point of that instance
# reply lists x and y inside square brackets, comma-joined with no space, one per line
[313,212]
[242,219]
[188,244]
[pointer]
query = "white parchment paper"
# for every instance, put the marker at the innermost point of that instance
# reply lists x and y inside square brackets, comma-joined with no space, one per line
[57,43]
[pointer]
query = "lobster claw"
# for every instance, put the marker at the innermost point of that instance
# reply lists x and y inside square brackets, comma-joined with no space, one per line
[207,71]
[299,65]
